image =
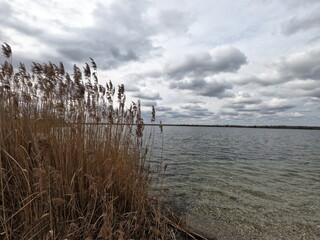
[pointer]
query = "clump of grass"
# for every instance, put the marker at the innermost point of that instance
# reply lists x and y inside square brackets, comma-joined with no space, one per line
[63,179]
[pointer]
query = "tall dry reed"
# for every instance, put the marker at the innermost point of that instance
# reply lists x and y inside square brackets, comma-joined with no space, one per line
[63,179]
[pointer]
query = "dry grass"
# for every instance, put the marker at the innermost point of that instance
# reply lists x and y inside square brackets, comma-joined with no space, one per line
[62,179]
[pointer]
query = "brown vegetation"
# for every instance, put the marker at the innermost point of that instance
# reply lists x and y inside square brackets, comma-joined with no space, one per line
[62,179]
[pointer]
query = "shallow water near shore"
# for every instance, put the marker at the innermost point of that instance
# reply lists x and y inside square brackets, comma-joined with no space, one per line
[239,183]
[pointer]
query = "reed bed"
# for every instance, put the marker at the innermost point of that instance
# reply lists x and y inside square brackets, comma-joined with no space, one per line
[63,179]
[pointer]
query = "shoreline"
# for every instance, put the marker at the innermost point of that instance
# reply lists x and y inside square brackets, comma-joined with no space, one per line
[213,125]
[239,126]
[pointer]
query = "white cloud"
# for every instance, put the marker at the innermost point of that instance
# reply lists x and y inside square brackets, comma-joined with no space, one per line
[202,64]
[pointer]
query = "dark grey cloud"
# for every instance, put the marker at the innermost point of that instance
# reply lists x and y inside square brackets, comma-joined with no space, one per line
[145,103]
[189,111]
[219,90]
[122,32]
[11,19]
[203,87]
[194,108]
[274,108]
[147,95]
[195,111]
[44,58]
[220,59]
[268,107]
[307,22]
[194,71]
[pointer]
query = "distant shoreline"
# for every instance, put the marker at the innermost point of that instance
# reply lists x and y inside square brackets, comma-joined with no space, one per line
[219,126]
[238,126]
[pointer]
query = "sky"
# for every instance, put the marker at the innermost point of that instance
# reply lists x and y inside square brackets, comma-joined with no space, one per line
[246,62]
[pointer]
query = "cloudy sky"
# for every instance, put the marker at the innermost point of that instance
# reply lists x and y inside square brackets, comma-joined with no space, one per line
[208,61]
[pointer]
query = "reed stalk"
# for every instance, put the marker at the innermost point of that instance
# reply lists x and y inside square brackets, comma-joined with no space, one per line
[63,179]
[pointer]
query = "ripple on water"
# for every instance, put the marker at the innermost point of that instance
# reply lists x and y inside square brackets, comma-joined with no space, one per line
[245,183]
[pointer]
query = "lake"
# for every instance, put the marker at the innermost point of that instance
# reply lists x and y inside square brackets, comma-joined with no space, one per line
[242,183]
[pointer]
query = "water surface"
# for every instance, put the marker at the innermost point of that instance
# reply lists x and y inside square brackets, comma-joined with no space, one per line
[240,183]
